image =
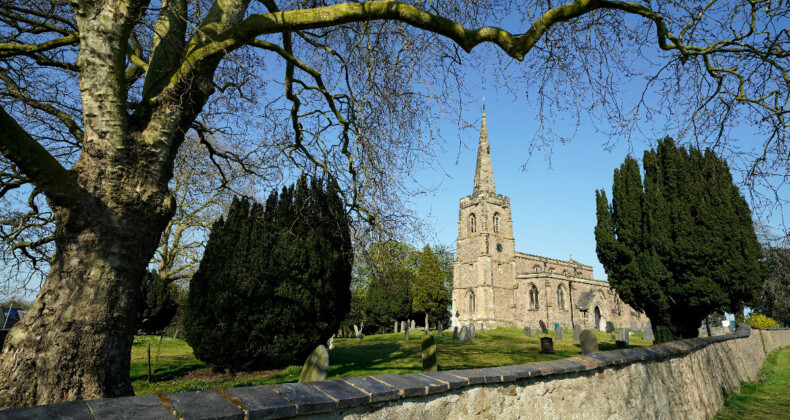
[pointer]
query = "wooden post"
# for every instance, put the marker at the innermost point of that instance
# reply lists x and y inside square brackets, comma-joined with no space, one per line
[149,362]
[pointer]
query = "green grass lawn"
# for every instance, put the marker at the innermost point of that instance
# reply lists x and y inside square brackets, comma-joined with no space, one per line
[176,369]
[768,398]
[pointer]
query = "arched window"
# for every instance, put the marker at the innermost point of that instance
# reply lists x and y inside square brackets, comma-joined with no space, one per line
[496,222]
[472,302]
[533,297]
[472,223]
[536,268]
[560,298]
[565,273]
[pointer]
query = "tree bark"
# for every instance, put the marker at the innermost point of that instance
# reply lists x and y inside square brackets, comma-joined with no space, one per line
[75,342]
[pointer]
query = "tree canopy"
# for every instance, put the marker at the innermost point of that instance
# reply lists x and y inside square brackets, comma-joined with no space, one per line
[681,245]
[274,280]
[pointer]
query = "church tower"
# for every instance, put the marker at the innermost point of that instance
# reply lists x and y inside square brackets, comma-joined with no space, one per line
[484,270]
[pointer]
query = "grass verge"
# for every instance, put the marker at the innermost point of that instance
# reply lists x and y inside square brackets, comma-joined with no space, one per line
[768,398]
[175,369]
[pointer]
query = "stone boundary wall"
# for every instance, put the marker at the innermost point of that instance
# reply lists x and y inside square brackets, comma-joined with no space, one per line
[681,379]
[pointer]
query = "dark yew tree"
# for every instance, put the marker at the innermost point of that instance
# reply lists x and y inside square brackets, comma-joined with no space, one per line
[96,98]
[158,303]
[681,245]
[274,280]
[430,295]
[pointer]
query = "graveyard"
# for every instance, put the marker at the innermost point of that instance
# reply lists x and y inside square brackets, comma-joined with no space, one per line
[175,369]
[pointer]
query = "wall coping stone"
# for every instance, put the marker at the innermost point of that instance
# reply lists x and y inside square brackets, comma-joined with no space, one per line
[292,399]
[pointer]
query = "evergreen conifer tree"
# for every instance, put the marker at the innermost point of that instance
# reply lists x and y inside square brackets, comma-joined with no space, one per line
[681,245]
[274,279]
[157,305]
[429,294]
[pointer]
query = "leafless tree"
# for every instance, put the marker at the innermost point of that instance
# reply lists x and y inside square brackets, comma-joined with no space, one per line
[97,98]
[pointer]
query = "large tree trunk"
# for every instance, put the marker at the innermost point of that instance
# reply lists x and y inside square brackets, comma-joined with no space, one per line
[75,341]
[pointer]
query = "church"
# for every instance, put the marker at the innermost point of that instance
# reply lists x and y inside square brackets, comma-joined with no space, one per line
[496,286]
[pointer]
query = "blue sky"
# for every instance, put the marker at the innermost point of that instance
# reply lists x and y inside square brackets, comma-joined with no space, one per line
[552,203]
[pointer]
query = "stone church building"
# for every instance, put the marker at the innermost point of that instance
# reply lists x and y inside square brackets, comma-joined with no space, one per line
[494,285]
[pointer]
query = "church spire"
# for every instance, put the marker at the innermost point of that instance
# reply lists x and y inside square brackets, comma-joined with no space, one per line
[484,173]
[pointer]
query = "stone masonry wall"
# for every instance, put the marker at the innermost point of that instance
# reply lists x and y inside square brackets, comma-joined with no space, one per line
[681,379]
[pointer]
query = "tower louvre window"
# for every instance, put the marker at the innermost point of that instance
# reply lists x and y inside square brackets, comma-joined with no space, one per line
[472,223]
[496,222]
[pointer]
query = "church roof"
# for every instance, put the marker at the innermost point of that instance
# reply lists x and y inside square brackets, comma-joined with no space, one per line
[484,172]
[585,300]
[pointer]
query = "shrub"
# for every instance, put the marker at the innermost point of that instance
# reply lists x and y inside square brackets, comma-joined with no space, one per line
[761,321]
[274,279]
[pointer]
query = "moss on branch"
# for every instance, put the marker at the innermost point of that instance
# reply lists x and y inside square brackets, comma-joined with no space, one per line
[35,161]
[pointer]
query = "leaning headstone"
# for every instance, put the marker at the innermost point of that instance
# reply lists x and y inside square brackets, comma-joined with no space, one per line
[428,353]
[588,341]
[402,326]
[577,330]
[648,334]
[543,328]
[609,326]
[472,330]
[558,334]
[633,326]
[315,367]
[332,342]
[527,332]
[439,328]
[463,336]
[546,345]
[406,333]
[395,328]
[455,333]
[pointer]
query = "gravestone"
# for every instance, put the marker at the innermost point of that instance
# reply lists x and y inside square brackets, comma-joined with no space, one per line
[455,333]
[648,334]
[402,326]
[527,332]
[395,328]
[463,336]
[428,353]
[624,336]
[609,326]
[558,334]
[406,332]
[588,342]
[332,342]
[315,367]
[472,330]
[577,330]
[633,326]
[543,328]
[413,324]
[546,345]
